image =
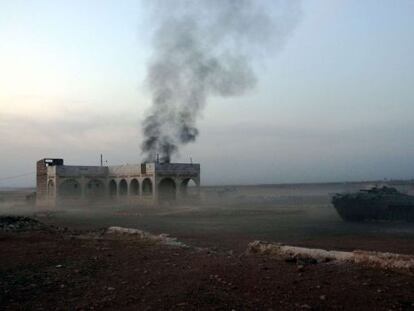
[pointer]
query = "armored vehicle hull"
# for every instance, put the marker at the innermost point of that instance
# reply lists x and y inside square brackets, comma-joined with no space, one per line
[375,204]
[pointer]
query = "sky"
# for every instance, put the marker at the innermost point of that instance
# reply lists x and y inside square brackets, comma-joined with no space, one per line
[336,103]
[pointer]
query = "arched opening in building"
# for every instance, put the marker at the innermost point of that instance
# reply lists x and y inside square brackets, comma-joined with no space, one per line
[189,188]
[70,188]
[112,188]
[147,187]
[134,187]
[123,187]
[167,190]
[95,188]
[50,188]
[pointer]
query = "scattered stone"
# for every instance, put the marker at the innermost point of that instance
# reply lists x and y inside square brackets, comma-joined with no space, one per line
[162,238]
[379,260]
[20,223]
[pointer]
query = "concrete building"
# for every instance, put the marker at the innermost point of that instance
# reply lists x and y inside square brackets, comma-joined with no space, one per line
[132,184]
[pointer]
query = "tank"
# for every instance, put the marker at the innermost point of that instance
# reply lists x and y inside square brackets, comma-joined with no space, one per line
[375,204]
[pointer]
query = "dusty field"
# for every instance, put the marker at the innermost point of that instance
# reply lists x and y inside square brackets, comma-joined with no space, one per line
[61,271]
[58,270]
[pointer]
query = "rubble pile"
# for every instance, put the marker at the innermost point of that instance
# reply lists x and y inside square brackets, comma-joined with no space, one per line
[387,261]
[163,238]
[19,223]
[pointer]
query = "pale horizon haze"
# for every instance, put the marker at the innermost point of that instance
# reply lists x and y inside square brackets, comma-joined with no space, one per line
[335,103]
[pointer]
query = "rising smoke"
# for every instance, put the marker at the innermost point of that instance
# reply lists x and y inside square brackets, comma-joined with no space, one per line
[205,48]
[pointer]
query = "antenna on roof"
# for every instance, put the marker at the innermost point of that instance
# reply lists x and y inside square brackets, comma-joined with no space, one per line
[158,158]
[191,160]
[101,160]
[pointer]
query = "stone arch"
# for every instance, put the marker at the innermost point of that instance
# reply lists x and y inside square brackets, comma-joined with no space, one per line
[189,187]
[123,187]
[95,188]
[167,189]
[112,188]
[134,187]
[147,186]
[50,188]
[70,188]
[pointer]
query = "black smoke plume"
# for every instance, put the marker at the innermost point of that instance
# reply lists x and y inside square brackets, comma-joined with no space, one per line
[205,48]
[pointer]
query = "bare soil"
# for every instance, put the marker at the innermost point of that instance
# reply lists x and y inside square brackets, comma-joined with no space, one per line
[53,268]
[63,270]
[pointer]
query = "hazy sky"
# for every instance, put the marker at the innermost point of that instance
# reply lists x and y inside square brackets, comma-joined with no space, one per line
[336,103]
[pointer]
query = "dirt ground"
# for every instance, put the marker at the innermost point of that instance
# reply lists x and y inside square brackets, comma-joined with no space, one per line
[58,269]
[41,270]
